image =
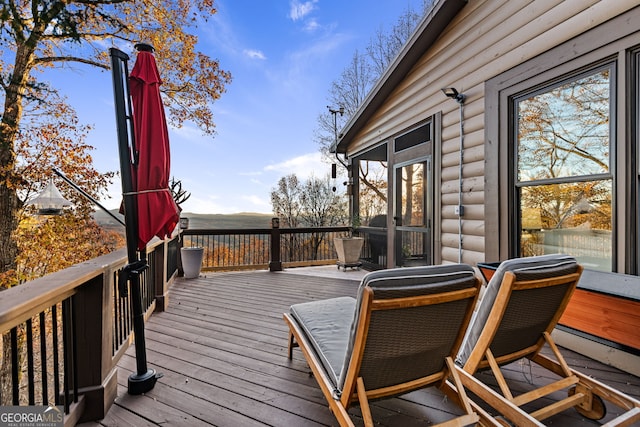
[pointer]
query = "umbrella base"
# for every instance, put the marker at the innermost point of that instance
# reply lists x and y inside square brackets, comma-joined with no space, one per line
[139,384]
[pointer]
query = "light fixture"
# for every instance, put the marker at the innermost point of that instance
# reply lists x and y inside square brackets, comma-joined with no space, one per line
[453,93]
[49,201]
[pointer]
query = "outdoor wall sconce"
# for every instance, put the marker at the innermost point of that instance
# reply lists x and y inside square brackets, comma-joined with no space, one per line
[49,201]
[453,93]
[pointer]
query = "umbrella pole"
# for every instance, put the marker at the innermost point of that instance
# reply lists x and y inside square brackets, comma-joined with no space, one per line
[144,379]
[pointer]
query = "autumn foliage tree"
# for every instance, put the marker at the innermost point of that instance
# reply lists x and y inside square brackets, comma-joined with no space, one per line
[39,130]
[38,35]
[310,203]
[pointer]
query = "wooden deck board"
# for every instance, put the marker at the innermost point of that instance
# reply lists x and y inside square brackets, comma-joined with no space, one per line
[221,346]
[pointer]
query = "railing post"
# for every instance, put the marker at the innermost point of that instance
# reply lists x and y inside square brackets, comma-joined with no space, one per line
[179,254]
[160,279]
[274,262]
[97,378]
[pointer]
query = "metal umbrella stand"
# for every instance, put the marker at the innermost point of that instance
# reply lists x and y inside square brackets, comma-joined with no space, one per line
[144,379]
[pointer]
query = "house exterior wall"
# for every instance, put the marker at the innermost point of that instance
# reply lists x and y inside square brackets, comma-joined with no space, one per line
[485,39]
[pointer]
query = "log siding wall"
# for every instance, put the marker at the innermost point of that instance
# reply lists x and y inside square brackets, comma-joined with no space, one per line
[485,38]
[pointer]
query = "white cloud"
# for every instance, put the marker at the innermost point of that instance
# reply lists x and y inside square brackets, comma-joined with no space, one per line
[209,205]
[251,173]
[311,25]
[187,131]
[254,54]
[299,10]
[303,166]
[260,204]
[227,204]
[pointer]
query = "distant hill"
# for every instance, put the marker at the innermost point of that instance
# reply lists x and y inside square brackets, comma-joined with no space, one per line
[199,221]
[238,220]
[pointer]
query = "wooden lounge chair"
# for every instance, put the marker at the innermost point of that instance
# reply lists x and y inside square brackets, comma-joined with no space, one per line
[521,306]
[399,335]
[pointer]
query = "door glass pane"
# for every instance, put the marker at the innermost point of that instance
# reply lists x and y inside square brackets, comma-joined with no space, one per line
[413,195]
[564,132]
[413,239]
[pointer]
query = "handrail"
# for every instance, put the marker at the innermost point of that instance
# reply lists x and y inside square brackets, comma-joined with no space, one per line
[77,321]
[262,248]
[92,321]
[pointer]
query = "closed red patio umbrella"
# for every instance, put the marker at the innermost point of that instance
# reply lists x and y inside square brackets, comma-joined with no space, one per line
[149,208]
[158,213]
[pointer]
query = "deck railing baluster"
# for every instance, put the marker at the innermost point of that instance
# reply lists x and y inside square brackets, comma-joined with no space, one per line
[66,354]
[43,358]
[56,352]
[15,373]
[30,375]
[74,350]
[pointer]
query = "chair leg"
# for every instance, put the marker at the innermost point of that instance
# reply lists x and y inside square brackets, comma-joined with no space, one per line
[364,403]
[455,377]
[506,392]
[292,344]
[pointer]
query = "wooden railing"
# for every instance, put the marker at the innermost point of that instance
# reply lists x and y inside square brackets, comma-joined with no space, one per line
[262,248]
[64,333]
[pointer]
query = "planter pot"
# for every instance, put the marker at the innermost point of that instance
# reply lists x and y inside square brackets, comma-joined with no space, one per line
[348,249]
[191,261]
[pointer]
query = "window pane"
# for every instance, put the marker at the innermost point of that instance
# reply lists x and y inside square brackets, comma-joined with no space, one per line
[570,218]
[413,138]
[413,195]
[565,131]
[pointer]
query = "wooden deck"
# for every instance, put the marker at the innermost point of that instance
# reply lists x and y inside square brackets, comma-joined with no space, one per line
[221,346]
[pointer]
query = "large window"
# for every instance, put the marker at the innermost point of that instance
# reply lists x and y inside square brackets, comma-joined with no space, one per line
[563,179]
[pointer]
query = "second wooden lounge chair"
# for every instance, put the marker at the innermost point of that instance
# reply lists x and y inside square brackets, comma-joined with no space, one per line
[399,335]
[521,306]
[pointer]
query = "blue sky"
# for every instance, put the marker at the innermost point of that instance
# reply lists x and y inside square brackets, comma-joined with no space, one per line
[283,56]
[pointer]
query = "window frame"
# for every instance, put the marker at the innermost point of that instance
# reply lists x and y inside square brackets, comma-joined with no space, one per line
[613,41]
[516,185]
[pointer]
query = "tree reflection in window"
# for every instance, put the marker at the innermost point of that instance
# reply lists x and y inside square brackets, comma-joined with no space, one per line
[373,192]
[413,195]
[563,171]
